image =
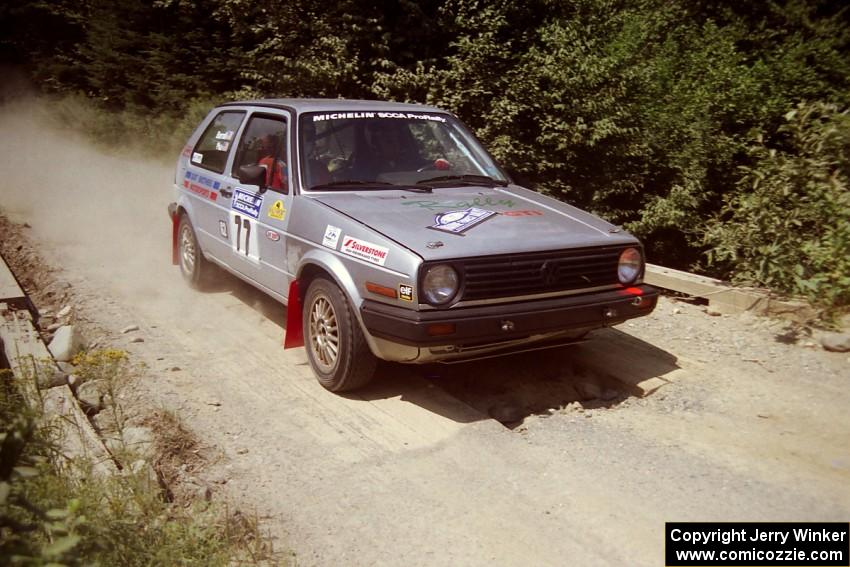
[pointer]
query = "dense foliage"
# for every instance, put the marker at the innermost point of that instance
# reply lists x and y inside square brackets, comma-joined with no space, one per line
[643,111]
[784,226]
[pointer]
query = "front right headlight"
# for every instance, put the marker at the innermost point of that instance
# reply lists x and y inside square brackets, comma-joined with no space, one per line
[630,265]
[440,284]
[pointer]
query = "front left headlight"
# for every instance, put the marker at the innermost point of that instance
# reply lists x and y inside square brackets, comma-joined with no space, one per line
[440,284]
[630,265]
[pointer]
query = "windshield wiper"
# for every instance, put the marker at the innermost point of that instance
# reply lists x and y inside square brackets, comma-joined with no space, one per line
[369,185]
[347,183]
[467,179]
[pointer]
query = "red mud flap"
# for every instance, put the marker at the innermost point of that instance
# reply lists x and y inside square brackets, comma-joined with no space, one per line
[294,324]
[175,225]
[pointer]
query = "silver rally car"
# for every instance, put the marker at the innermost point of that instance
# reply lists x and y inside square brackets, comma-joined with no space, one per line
[390,233]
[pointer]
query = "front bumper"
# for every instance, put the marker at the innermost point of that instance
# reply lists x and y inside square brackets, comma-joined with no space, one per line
[507,322]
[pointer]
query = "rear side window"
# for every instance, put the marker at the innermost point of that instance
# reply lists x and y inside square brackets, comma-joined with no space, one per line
[213,148]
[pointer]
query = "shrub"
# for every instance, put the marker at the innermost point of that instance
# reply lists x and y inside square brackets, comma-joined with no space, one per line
[788,225]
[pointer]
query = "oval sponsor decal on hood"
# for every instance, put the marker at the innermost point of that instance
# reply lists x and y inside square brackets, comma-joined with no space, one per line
[272,235]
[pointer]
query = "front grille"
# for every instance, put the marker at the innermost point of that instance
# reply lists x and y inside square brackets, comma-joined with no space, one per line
[539,272]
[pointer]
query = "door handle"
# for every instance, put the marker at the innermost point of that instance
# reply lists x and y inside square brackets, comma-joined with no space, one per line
[225,192]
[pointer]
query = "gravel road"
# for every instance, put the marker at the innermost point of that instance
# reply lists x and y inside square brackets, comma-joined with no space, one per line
[676,417]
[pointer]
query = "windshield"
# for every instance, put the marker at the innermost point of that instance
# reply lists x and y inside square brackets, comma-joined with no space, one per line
[351,150]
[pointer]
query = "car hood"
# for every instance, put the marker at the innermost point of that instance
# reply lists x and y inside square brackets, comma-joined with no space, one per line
[525,221]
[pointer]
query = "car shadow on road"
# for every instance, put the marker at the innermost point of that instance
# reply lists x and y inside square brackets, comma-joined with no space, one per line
[611,366]
[608,368]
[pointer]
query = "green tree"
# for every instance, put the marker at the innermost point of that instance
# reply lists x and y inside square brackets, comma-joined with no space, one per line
[788,226]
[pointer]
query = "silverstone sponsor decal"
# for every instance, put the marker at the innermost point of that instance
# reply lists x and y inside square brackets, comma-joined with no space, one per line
[331,236]
[476,202]
[224,135]
[355,115]
[405,292]
[528,213]
[277,210]
[222,146]
[197,158]
[365,250]
[222,228]
[247,203]
[458,222]
[272,235]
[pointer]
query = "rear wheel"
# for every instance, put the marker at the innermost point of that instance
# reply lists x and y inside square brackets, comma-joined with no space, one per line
[336,347]
[193,266]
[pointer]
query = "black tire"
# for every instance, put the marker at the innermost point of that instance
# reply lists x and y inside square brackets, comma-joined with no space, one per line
[329,323]
[194,268]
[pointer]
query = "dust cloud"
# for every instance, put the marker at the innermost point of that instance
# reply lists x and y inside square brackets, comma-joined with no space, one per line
[102,213]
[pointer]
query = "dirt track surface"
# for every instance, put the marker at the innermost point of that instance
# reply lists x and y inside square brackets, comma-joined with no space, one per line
[706,418]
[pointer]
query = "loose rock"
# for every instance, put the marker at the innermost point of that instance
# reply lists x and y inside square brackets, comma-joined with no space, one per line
[51,378]
[137,340]
[139,439]
[66,367]
[588,391]
[64,312]
[836,342]
[712,311]
[65,344]
[129,329]
[90,396]
[506,413]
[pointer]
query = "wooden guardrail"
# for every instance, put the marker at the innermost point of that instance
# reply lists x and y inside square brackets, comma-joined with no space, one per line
[726,298]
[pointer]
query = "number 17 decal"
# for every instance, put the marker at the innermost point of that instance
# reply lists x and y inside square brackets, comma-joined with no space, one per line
[244,237]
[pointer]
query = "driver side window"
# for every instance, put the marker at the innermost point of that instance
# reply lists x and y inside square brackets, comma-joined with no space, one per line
[264,145]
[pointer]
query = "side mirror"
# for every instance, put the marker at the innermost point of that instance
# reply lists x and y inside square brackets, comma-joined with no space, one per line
[253,175]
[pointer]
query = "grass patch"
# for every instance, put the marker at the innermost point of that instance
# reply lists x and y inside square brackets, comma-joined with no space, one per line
[55,510]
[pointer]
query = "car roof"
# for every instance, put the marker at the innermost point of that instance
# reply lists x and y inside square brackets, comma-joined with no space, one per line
[334,104]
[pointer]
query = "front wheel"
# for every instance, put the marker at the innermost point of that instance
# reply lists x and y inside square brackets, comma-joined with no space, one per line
[336,347]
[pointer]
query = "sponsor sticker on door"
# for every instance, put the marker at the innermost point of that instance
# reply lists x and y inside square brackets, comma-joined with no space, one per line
[277,210]
[364,250]
[247,203]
